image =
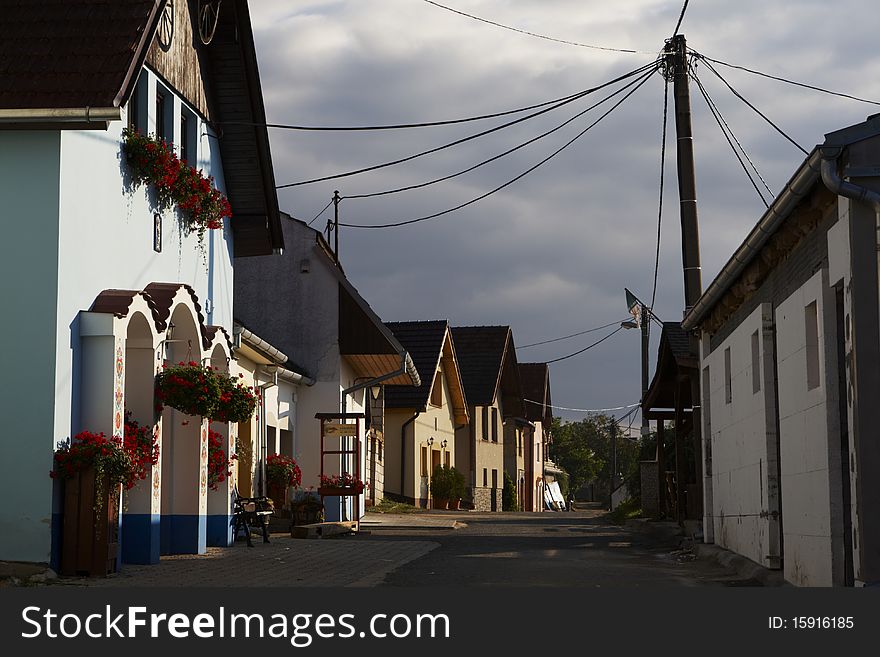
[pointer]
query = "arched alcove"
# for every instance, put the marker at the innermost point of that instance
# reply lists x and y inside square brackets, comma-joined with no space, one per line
[219,532]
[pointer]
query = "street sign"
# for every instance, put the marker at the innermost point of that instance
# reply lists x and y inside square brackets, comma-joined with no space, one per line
[339,429]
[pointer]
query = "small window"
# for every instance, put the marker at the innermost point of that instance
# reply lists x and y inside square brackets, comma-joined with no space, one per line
[811,324]
[485,477]
[756,363]
[728,391]
[161,132]
[188,137]
[494,425]
[485,435]
[424,461]
[437,391]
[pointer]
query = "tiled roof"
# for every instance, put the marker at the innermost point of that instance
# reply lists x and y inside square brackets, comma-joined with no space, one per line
[71,53]
[678,340]
[480,350]
[159,298]
[534,380]
[424,342]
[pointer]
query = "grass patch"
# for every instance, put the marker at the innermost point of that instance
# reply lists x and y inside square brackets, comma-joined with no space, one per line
[390,506]
[627,510]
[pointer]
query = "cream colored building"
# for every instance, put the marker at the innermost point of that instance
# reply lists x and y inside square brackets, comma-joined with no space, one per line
[487,360]
[420,422]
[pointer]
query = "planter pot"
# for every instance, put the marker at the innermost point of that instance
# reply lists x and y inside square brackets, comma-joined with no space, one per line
[338,491]
[90,538]
[439,503]
[278,493]
[307,513]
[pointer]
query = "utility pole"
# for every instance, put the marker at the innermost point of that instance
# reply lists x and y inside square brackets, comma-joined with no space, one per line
[676,61]
[677,67]
[613,462]
[336,199]
[646,320]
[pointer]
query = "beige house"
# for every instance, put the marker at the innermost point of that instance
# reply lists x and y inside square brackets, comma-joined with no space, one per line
[487,359]
[420,422]
[535,381]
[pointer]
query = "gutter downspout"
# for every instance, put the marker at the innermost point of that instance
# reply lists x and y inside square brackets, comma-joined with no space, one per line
[841,187]
[264,432]
[403,453]
[61,115]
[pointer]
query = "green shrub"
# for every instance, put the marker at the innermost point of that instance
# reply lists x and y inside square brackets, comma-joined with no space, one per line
[509,501]
[442,483]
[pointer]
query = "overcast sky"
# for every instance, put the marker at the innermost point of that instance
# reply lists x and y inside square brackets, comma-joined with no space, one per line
[550,254]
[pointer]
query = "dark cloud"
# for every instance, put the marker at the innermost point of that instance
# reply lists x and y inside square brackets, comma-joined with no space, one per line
[551,254]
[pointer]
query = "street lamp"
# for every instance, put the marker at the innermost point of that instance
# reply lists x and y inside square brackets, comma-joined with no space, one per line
[641,319]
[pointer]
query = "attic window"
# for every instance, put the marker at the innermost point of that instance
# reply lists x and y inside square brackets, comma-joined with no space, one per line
[437,391]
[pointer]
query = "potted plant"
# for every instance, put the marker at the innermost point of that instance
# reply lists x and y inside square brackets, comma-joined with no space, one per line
[306,508]
[339,485]
[93,468]
[191,388]
[282,472]
[458,488]
[441,487]
[237,402]
[152,161]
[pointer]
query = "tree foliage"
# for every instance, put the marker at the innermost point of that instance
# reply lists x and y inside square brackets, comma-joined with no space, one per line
[583,450]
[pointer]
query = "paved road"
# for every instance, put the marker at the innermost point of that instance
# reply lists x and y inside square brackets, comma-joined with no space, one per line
[461,549]
[550,549]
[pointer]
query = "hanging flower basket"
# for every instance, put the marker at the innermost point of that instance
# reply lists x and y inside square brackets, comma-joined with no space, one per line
[154,162]
[237,402]
[190,387]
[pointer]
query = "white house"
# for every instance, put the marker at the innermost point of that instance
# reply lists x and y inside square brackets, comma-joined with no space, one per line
[100,283]
[790,348]
[304,304]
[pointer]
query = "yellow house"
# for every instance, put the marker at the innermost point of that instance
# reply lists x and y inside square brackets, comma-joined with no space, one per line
[487,358]
[420,422]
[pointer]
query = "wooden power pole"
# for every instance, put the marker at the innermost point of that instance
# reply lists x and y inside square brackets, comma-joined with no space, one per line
[677,67]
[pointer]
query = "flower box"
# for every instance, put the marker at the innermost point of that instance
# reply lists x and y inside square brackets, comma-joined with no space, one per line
[340,491]
[90,538]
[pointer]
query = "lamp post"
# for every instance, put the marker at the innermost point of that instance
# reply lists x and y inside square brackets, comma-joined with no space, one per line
[642,321]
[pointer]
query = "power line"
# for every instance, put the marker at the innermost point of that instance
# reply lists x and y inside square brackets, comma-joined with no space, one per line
[583,410]
[721,123]
[759,112]
[534,34]
[573,335]
[395,224]
[401,126]
[483,133]
[797,84]
[680,17]
[500,155]
[321,212]
[580,351]
[662,179]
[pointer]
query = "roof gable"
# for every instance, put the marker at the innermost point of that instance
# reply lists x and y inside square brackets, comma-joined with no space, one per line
[487,360]
[535,381]
[429,343]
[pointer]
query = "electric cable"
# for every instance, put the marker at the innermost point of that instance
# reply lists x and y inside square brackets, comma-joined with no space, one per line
[395,224]
[482,133]
[321,212]
[534,34]
[498,156]
[759,112]
[721,124]
[662,179]
[797,84]
[583,410]
[588,347]
[680,18]
[566,337]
